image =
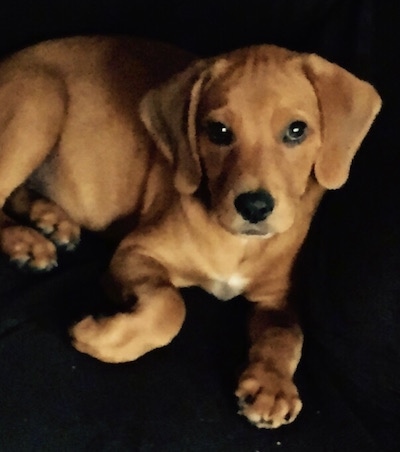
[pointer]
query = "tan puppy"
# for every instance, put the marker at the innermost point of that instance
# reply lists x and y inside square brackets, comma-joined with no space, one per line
[222,166]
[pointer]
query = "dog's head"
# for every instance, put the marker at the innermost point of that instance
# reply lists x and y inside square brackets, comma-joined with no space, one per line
[255,125]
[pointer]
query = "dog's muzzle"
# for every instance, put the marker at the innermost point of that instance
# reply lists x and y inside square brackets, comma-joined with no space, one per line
[254,206]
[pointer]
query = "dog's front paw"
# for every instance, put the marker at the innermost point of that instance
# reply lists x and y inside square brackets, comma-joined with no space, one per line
[26,247]
[152,323]
[116,339]
[97,338]
[266,398]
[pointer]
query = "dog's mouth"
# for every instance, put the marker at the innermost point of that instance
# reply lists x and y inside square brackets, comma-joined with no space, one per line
[261,230]
[257,233]
[246,229]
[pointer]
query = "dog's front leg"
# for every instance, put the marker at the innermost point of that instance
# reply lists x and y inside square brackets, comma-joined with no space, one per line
[155,317]
[266,393]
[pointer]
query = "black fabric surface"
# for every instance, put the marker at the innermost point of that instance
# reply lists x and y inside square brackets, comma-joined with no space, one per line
[180,398]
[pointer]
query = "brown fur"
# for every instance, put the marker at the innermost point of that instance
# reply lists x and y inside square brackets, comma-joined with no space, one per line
[104,128]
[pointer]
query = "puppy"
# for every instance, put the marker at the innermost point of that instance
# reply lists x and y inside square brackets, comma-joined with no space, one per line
[219,166]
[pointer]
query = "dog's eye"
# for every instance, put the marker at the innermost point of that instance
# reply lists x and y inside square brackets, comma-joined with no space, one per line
[295,133]
[219,134]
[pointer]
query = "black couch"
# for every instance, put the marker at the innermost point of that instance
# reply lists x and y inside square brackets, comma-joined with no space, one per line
[347,279]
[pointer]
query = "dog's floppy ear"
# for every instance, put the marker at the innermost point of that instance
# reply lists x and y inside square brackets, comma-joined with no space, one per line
[348,107]
[169,114]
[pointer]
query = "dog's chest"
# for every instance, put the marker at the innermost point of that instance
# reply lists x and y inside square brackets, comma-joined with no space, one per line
[226,288]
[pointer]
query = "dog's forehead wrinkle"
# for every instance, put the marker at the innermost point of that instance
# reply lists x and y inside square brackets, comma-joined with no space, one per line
[243,64]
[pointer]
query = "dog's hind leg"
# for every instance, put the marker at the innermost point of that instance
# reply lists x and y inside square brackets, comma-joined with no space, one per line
[28,248]
[33,107]
[45,216]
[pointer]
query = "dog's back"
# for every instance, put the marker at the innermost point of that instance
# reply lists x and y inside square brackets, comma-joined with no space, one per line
[96,161]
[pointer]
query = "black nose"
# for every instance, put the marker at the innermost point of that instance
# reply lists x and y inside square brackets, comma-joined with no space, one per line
[254,206]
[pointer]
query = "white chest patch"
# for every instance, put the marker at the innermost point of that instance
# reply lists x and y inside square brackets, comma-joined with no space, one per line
[225,289]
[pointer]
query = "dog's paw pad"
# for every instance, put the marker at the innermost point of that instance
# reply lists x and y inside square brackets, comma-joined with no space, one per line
[267,399]
[28,248]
